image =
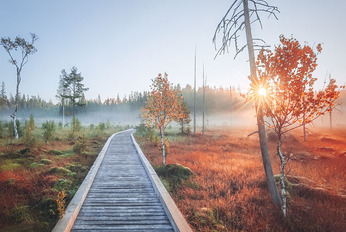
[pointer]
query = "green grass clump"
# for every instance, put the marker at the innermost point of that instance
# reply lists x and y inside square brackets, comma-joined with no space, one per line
[61,172]
[9,165]
[20,213]
[36,165]
[174,175]
[74,167]
[55,152]
[63,184]
[47,207]
[45,161]
[166,184]
[66,154]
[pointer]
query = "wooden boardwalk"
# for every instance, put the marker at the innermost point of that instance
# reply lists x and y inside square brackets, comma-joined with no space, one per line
[122,197]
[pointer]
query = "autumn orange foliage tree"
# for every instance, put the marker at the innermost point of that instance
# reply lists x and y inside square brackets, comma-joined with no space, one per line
[285,90]
[164,105]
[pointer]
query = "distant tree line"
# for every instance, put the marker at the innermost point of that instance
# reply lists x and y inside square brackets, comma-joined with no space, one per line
[217,100]
[29,104]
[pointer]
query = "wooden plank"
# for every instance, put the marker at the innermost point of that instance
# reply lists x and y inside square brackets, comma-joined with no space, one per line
[174,215]
[122,197]
[125,221]
[123,228]
[65,224]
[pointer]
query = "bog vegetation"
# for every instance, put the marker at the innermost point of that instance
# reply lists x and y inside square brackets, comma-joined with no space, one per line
[41,171]
[217,179]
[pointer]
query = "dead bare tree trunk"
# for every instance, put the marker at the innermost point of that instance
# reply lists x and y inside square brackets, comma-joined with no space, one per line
[239,18]
[230,88]
[194,99]
[203,103]
[273,190]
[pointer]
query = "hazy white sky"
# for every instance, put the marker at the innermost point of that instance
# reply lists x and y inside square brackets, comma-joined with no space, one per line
[119,46]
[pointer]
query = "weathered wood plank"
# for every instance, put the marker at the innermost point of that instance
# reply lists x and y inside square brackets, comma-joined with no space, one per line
[123,194]
[122,197]
[125,221]
[142,228]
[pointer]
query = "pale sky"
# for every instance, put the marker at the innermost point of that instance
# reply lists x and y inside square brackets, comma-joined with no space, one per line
[119,46]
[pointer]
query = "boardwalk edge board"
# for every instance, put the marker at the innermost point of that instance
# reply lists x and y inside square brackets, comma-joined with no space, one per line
[174,215]
[65,224]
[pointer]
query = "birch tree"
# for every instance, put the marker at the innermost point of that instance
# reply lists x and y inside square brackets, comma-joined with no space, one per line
[21,49]
[164,105]
[236,20]
[288,97]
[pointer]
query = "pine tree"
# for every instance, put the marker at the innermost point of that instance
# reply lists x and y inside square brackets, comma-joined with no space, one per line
[73,88]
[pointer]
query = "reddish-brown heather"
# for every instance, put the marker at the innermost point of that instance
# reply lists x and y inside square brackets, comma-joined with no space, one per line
[228,191]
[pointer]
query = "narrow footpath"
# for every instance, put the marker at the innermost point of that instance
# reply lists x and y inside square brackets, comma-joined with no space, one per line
[122,197]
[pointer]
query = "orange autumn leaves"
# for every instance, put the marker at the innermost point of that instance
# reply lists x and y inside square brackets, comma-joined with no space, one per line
[164,104]
[286,73]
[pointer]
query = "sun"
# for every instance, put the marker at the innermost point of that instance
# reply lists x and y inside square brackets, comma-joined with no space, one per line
[262,92]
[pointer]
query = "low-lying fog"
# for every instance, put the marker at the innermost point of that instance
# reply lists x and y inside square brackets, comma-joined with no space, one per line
[238,118]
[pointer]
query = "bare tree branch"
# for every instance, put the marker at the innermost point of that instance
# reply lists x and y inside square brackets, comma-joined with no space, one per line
[233,22]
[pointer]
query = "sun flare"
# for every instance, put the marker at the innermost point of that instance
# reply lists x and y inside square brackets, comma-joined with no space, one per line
[262,92]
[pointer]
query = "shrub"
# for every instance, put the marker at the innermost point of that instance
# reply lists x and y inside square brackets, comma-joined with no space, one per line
[20,213]
[60,125]
[80,145]
[49,129]
[75,128]
[47,204]
[101,126]
[108,124]
[145,131]
[29,138]
[2,128]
